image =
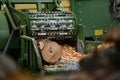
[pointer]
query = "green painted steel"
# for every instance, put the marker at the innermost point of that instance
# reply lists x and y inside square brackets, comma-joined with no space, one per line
[23,43]
[4,30]
[93,15]
[31,1]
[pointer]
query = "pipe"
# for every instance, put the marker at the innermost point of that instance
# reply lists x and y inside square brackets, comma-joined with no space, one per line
[8,43]
[35,48]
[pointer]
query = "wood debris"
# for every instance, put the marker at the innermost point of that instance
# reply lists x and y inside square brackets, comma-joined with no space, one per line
[56,65]
[69,54]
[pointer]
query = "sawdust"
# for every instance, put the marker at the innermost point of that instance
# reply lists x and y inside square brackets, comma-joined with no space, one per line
[69,54]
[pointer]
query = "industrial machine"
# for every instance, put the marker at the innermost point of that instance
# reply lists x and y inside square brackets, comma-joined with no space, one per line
[19,31]
[95,17]
[52,24]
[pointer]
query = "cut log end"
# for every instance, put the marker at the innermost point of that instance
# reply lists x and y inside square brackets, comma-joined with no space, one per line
[52,52]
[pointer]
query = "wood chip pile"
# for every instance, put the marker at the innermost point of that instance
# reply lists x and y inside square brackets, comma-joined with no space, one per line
[69,54]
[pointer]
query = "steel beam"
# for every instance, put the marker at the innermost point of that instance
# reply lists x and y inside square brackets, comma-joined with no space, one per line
[31,1]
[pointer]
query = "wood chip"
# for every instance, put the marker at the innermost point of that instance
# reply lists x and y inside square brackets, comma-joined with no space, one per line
[69,54]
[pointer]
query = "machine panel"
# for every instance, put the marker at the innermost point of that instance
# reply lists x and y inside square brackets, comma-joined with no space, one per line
[55,24]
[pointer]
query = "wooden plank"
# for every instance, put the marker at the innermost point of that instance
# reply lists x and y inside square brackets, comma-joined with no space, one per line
[67,9]
[25,6]
[66,3]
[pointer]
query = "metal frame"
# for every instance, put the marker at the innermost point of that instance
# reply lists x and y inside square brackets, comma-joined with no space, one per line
[37,2]
[29,50]
[35,48]
[31,1]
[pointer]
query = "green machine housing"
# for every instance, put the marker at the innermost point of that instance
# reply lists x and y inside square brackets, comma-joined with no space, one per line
[19,30]
[94,15]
